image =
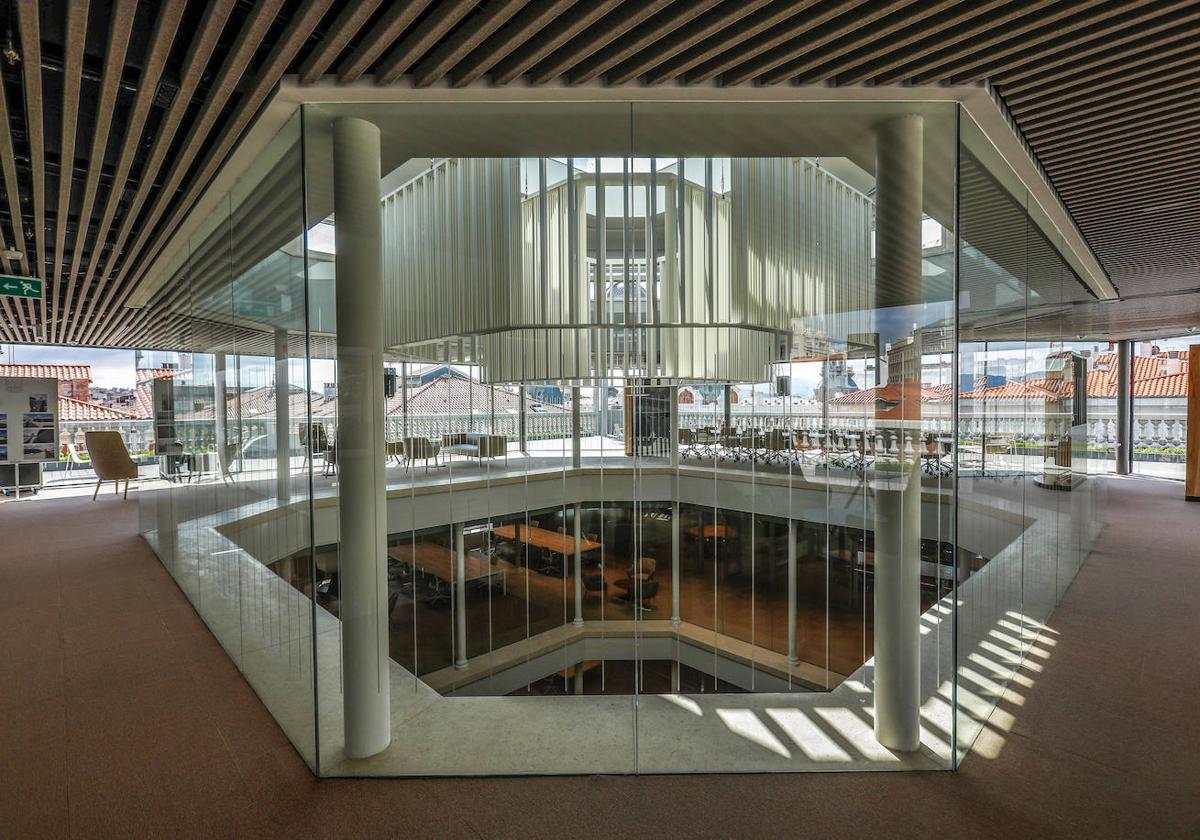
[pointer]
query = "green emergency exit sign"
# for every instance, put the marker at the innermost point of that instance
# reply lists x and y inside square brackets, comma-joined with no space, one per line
[26,287]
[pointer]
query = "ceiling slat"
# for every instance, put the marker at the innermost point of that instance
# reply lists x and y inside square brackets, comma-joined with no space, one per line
[120,26]
[349,21]
[31,49]
[198,54]
[12,189]
[642,40]
[715,23]
[565,27]
[587,43]
[383,34]
[460,44]
[422,39]
[282,55]
[76,39]
[523,27]
[169,16]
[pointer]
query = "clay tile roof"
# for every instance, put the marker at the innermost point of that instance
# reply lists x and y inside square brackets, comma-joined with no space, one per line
[63,373]
[74,410]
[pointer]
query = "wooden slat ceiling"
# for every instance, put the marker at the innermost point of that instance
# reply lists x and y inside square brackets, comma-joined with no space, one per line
[118,112]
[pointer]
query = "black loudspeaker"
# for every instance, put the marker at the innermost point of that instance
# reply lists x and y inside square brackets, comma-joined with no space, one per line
[389,383]
[783,386]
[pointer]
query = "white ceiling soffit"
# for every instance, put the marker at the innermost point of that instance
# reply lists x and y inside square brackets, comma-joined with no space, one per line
[1006,145]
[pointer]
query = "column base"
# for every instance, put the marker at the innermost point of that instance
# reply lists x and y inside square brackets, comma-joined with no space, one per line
[578,622]
[460,665]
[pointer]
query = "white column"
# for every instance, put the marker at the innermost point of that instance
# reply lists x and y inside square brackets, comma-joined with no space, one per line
[576,454]
[898,196]
[675,562]
[283,438]
[237,408]
[221,414]
[578,562]
[460,598]
[673,392]
[792,658]
[362,511]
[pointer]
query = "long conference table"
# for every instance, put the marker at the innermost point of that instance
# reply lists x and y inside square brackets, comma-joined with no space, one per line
[437,560]
[554,541]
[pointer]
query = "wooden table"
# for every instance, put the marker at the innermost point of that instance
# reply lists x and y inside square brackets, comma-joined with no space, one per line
[554,541]
[437,560]
[708,532]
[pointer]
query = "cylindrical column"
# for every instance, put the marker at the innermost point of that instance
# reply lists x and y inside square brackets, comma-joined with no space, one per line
[1124,438]
[521,427]
[237,409]
[673,393]
[460,598]
[578,560]
[675,563]
[221,412]
[898,198]
[283,438]
[792,657]
[576,453]
[362,511]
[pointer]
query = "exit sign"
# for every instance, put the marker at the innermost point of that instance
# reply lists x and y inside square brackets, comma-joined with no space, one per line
[26,287]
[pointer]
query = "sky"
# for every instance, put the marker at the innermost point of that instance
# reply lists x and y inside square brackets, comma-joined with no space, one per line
[110,368]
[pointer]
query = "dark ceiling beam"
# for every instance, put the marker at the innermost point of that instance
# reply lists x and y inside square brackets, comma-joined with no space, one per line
[743,55]
[522,28]
[161,39]
[422,39]
[1167,148]
[1139,36]
[1157,114]
[345,26]
[120,26]
[564,27]
[199,51]
[1088,109]
[298,31]
[383,34]
[644,39]
[281,56]
[1180,137]
[1055,39]
[12,190]
[589,42]
[792,59]
[223,88]
[31,51]
[714,23]
[896,66]
[76,40]
[739,32]
[1170,65]
[837,63]
[471,34]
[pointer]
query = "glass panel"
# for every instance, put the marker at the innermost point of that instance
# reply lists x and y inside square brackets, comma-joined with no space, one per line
[229,509]
[1029,448]
[1160,393]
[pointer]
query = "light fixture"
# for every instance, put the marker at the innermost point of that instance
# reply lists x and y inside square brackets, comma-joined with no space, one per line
[10,51]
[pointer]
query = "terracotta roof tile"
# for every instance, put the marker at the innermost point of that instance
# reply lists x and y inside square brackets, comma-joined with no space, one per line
[63,373]
[73,410]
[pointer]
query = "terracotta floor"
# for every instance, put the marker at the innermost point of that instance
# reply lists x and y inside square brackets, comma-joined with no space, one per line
[121,717]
